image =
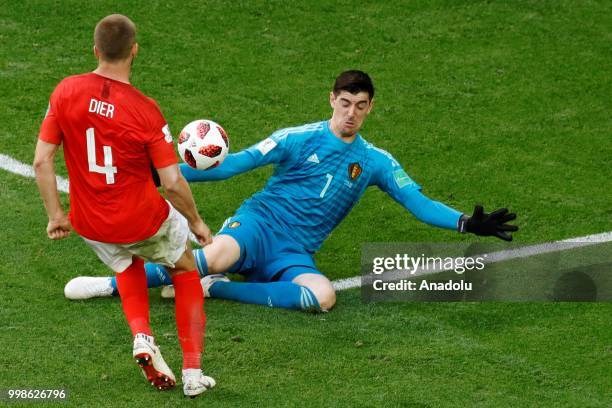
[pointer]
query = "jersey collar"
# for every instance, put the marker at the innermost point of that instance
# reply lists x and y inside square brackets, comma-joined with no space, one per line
[336,141]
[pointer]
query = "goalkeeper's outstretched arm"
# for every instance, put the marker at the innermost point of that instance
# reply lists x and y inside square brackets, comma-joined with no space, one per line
[275,149]
[234,164]
[393,180]
[440,215]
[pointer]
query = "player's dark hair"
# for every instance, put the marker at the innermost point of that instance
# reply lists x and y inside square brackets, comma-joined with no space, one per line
[354,81]
[114,36]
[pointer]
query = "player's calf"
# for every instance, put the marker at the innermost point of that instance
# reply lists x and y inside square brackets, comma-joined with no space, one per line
[190,316]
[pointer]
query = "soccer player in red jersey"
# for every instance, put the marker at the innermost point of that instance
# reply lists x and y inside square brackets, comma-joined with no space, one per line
[112,134]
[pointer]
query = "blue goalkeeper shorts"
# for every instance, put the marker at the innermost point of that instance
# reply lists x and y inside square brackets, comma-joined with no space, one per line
[267,253]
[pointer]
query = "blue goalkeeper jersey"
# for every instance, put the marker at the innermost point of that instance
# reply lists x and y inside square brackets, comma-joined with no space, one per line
[318,178]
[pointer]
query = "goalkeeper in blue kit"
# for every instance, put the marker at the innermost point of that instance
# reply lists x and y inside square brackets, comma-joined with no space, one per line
[321,171]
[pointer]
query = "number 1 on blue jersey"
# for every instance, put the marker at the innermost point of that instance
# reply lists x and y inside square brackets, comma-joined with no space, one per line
[329,179]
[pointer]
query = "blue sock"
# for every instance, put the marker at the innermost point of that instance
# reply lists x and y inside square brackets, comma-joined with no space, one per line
[286,295]
[200,259]
[157,275]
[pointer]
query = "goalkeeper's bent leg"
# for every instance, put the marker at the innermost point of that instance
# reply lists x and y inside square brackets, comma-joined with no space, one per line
[298,288]
[285,295]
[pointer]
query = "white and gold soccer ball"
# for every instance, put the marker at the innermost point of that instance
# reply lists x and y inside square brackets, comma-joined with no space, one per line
[203,144]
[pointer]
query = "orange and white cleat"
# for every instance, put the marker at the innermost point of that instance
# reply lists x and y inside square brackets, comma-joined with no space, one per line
[153,366]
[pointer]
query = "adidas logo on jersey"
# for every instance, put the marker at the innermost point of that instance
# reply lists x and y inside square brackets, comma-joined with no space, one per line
[313,158]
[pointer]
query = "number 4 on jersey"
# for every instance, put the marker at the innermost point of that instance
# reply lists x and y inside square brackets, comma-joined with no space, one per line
[108,170]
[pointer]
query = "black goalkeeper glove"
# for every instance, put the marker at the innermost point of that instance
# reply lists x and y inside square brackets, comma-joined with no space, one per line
[481,223]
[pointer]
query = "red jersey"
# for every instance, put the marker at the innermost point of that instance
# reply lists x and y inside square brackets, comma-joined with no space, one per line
[112,134]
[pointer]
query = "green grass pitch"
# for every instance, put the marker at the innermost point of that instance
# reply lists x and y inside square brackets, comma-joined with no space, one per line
[496,102]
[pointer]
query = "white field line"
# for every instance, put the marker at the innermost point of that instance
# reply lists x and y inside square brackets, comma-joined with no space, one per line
[15,166]
[498,256]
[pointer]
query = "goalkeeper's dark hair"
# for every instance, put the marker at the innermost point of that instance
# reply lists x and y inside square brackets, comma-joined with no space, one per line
[114,37]
[354,81]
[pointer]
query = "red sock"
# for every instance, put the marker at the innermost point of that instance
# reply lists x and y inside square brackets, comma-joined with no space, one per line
[190,316]
[132,286]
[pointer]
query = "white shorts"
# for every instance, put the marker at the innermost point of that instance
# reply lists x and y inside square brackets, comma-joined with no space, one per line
[165,247]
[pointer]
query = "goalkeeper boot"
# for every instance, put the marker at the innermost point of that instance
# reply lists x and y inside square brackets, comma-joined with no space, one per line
[206,282]
[210,280]
[149,358]
[86,287]
[167,292]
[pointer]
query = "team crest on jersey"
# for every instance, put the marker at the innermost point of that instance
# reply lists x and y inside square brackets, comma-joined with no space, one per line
[354,170]
[234,224]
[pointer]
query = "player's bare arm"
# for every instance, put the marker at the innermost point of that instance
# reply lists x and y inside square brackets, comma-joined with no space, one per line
[179,194]
[59,225]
